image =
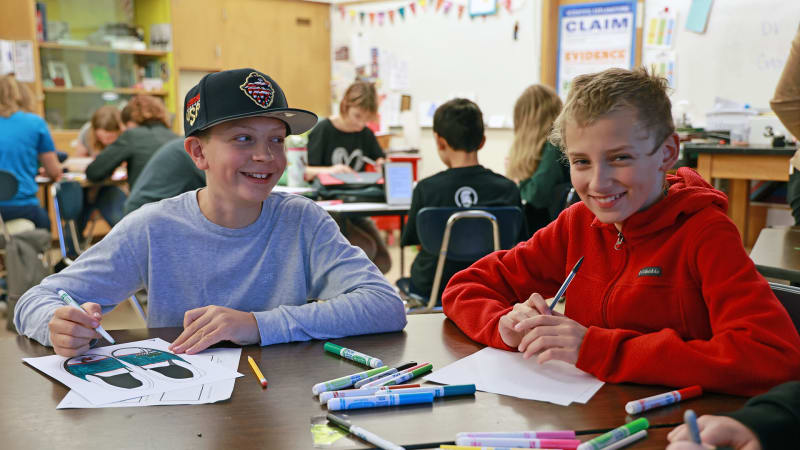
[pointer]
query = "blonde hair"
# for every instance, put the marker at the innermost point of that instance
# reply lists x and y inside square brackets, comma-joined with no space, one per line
[146,109]
[360,95]
[534,113]
[10,97]
[26,99]
[105,118]
[595,95]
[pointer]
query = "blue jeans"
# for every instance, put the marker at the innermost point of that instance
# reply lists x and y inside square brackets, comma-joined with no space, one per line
[34,213]
[109,201]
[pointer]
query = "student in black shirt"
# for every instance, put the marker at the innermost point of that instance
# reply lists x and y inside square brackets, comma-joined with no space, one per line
[458,130]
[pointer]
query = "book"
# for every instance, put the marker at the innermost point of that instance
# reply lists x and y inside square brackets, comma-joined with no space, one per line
[102,79]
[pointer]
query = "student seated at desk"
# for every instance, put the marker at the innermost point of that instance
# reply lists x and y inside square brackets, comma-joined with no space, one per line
[25,142]
[344,144]
[786,104]
[169,172]
[231,261]
[459,134]
[535,163]
[666,293]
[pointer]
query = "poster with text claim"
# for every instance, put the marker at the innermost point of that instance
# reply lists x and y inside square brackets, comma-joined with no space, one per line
[594,37]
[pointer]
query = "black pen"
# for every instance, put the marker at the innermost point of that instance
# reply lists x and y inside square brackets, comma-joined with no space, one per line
[564,286]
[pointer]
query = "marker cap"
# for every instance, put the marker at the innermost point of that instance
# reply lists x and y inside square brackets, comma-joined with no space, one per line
[691,392]
[459,389]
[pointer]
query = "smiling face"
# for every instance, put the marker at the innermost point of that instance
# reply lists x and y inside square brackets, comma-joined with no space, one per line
[616,166]
[243,160]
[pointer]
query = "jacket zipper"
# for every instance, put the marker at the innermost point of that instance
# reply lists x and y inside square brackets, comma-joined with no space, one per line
[604,305]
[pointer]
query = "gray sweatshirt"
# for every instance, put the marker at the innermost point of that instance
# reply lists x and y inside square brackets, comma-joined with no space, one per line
[293,253]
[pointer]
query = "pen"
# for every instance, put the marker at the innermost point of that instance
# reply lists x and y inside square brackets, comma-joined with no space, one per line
[564,286]
[257,371]
[71,302]
[373,439]
[691,421]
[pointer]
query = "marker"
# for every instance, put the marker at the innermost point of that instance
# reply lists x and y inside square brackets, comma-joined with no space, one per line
[437,391]
[353,355]
[667,398]
[379,381]
[372,438]
[71,302]
[564,434]
[325,396]
[377,401]
[403,377]
[470,447]
[345,381]
[691,421]
[257,371]
[566,283]
[628,440]
[391,371]
[615,435]
[565,444]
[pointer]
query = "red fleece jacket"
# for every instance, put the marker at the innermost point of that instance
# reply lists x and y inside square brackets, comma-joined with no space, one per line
[677,303]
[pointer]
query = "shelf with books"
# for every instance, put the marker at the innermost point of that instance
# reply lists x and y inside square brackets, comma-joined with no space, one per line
[99,49]
[94,90]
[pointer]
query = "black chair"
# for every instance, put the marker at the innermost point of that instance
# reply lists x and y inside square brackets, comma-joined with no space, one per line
[789,297]
[68,204]
[464,235]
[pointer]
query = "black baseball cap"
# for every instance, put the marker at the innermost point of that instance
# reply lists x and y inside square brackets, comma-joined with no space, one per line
[235,94]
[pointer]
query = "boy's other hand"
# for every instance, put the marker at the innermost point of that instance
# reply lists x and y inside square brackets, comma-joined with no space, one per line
[553,336]
[341,168]
[71,330]
[507,326]
[204,327]
[715,431]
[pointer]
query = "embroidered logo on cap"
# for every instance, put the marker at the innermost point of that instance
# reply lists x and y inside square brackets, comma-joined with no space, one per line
[259,89]
[654,271]
[192,108]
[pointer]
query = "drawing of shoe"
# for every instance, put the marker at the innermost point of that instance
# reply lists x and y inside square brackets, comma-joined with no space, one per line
[106,371]
[158,364]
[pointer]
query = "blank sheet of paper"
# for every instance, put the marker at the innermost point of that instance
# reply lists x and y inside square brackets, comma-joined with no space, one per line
[507,373]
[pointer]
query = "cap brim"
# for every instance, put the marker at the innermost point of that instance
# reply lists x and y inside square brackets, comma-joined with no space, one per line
[299,120]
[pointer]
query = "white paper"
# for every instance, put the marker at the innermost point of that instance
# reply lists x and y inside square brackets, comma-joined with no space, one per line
[507,373]
[6,57]
[108,377]
[195,395]
[23,61]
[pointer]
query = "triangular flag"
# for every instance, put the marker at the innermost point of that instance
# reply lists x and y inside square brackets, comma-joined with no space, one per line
[341,10]
[402,11]
[439,5]
[422,4]
[352,14]
[508,5]
[413,7]
[447,6]
[460,11]
[372,18]
[391,16]
[362,14]
[380,18]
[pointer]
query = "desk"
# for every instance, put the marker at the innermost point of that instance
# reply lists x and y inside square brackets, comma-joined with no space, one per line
[279,417]
[777,253]
[740,165]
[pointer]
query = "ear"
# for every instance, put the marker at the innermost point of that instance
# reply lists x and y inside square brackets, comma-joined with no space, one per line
[670,151]
[441,143]
[196,148]
[483,141]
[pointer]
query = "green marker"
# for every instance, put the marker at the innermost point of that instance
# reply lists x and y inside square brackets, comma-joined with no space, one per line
[353,355]
[615,435]
[346,381]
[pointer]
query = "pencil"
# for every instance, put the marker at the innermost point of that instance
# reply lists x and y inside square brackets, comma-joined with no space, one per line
[257,371]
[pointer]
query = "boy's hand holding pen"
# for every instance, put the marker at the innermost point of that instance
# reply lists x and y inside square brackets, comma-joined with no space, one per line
[73,327]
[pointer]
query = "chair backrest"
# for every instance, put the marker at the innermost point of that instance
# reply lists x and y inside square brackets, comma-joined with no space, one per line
[789,297]
[470,238]
[8,185]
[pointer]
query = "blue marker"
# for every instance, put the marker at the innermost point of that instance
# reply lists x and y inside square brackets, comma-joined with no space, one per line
[437,391]
[377,401]
[69,301]
[691,421]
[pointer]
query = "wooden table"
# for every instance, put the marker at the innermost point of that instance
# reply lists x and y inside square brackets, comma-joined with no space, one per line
[740,165]
[280,416]
[776,253]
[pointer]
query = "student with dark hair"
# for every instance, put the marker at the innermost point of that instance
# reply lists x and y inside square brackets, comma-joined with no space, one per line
[459,133]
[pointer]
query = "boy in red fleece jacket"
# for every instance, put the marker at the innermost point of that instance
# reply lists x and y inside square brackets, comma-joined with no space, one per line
[666,293]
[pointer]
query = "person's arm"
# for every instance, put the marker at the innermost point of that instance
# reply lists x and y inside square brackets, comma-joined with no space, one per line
[410,236]
[107,273]
[752,334]
[354,297]
[537,190]
[45,151]
[786,100]
[82,143]
[109,159]
[52,168]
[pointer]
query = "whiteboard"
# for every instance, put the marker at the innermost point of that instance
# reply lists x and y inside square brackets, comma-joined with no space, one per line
[740,56]
[445,56]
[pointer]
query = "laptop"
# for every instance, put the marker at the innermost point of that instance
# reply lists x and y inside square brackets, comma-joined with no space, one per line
[399,182]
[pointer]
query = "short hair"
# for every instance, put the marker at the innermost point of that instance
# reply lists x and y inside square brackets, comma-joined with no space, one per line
[10,97]
[460,123]
[360,94]
[595,95]
[146,109]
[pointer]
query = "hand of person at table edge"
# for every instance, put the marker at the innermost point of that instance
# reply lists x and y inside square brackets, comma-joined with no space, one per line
[535,305]
[204,327]
[553,337]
